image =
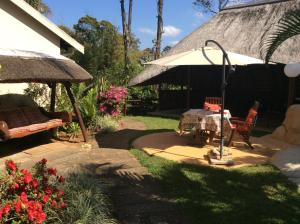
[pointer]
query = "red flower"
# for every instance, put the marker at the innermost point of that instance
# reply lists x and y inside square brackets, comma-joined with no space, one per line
[61,179]
[48,190]
[17,206]
[1,213]
[23,197]
[59,193]
[52,171]
[27,176]
[11,165]
[45,198]
[6,209]
[54,203]
[35,212]
[43,161]
[63,204]
[35,183]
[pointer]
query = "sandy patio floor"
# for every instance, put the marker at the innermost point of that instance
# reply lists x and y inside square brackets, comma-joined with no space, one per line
[170,145]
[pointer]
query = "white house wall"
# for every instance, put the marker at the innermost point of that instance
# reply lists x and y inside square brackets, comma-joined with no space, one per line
[13,88]
[22,32]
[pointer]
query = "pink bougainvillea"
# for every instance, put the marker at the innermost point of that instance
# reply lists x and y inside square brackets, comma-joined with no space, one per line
[111,100]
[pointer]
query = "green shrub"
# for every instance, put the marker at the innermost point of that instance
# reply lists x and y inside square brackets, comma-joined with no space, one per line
[86,201]
[105,124]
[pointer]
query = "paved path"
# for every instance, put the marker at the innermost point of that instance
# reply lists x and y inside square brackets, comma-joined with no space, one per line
[136,197]
[288,161]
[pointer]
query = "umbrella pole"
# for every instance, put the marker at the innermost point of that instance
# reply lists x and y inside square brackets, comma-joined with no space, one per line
[223,86]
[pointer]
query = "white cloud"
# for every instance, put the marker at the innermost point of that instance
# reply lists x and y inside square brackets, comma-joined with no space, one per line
[147,30]
[172,43]
[171,31]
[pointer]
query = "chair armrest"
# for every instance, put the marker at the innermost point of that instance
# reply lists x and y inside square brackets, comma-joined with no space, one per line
[236,119]
[64,115]
[4,135]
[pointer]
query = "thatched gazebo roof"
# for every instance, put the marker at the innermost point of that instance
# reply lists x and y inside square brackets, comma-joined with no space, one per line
[22,66]
[238,29]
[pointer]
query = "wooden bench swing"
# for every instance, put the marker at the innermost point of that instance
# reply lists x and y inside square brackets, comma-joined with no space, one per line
[22,119]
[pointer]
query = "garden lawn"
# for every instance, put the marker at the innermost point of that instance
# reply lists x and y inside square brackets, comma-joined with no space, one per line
[255,194]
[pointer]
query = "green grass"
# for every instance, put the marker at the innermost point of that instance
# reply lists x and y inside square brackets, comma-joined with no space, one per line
[256,194]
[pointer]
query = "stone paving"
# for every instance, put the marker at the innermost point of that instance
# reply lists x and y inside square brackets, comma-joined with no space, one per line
[136,197]
[288,161]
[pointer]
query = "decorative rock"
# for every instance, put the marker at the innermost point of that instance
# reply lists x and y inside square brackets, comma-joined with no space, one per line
[289,131]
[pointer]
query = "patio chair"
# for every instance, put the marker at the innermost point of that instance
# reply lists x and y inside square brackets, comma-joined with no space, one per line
[244,126]
[212,103]
[213,100]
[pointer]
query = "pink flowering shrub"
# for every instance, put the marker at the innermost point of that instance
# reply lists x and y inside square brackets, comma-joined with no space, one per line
[27,197]
[111,100]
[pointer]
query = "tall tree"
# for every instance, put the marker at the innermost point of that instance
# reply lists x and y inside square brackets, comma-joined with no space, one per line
[40,6]
[214,6]
[130,16]
[125,38]
[160,27]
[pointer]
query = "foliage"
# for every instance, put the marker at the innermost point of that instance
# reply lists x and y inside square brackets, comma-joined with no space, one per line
[214,6]
[287,27]
[30,197]
[214,195]
[146,94]
[111,100]
[39,93]
[40,6]
[105,124]
[72,130]
[87,201]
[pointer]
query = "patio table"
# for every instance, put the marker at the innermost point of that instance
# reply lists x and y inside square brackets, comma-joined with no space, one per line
[203,120]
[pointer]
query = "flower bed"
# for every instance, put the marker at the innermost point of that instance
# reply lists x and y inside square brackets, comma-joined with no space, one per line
[28,197]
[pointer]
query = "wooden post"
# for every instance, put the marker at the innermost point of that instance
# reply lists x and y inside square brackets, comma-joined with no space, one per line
[54,131]
[188,95]
[76,110]
[291,96]
[53,94]
[159,96]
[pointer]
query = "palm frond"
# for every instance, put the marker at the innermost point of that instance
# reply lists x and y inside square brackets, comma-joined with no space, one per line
[286,28]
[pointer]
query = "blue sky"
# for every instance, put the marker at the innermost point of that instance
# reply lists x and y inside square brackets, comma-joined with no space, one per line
[180,16]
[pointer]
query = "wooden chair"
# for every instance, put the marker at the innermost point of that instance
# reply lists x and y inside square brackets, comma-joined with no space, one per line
[244,126]
[213,100]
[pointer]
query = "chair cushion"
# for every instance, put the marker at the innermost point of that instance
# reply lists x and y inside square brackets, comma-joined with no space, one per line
[14,118]
[34,115]
[251,116]
[211,107]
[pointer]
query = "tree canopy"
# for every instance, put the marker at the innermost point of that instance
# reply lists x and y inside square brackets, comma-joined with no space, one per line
[40,6]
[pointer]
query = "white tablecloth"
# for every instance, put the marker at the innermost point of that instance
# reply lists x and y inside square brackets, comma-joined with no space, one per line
[204,120]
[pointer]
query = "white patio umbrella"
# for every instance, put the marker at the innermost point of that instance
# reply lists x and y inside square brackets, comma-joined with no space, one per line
[204,56]
[209,56]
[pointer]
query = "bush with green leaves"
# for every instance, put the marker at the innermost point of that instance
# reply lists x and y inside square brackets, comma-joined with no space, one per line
[87,201]
[105,124]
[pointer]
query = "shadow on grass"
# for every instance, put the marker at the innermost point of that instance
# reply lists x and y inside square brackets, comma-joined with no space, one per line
[122,139]
[258,194]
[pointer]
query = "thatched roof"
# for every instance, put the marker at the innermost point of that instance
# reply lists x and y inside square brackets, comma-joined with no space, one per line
[20,66]
[238,29]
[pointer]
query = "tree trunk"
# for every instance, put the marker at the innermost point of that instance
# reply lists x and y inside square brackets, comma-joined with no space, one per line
[160,4]
[125,38]
[130,17]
